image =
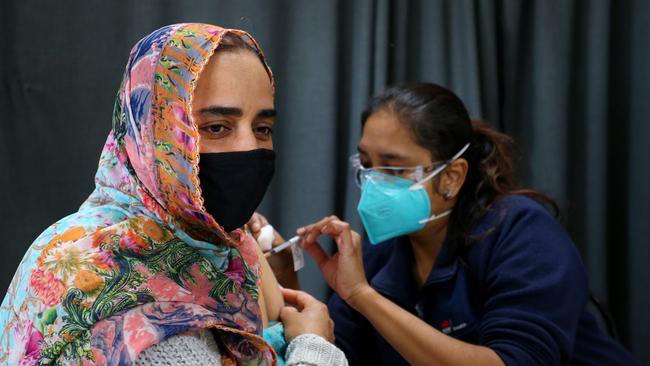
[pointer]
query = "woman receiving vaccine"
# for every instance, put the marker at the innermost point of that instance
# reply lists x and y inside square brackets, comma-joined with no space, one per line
[156,267]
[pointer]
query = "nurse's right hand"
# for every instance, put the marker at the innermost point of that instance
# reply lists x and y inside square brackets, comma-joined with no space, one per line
[343,271]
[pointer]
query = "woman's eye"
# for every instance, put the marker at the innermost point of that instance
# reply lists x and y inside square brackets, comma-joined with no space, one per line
[215,129]
[266,131]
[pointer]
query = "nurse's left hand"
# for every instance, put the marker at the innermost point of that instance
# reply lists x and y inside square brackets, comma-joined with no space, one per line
[281,263]
[343,271]
[310,316]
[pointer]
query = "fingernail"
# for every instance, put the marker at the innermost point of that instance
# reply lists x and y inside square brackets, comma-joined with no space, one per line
[300,230]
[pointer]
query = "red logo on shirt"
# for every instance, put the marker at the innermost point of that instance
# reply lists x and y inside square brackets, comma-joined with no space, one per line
[445,326]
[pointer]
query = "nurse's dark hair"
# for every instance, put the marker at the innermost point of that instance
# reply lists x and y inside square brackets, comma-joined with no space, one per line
[440,123]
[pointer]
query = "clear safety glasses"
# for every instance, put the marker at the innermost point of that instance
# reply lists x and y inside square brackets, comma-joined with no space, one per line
[412,173]
[416,174]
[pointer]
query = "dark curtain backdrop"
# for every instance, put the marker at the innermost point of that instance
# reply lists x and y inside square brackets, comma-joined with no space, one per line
[569,79]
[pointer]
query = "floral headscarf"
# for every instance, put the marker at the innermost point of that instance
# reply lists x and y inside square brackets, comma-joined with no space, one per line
[141,260]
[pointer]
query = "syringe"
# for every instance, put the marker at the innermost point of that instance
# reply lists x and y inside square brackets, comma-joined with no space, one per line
[283,246]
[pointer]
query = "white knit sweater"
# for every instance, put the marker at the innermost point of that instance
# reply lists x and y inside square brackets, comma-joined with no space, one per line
[189,349]
[200,348]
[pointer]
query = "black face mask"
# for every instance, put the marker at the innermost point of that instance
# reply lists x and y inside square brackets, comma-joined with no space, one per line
[234,183]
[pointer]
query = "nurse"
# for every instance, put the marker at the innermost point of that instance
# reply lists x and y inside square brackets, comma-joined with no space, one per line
[461,265]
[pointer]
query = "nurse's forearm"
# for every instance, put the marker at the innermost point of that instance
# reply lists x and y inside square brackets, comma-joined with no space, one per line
[415,340]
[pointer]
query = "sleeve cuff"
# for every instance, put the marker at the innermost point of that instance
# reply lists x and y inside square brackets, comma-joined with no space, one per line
[310,349]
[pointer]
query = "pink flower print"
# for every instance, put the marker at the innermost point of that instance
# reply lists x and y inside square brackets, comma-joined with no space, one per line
[99,358]
[140,75]
[35,341]
[253,306]
[106,332]
[133,242]
[143,167]
[149,202]
[110,141]
[47,287]
[235,270]
[29,339]
[190,145]
[200,288]
[234,300]
[104,260]
[104,237]
[180,115]
[248,250]
[138,332]
[180,136]
[244,323]
[29,360]
[164,289]
[184,198]
[142,269]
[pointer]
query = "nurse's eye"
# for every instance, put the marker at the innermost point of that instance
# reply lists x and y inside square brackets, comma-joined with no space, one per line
[365,164]
[389,170]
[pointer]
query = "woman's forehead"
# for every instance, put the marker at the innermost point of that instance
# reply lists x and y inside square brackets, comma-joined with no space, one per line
[234,79]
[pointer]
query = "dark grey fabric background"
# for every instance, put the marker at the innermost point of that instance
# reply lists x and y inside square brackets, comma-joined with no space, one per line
[569,79]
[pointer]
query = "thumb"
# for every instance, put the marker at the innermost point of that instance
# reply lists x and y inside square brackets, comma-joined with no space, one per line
[288,312]
[255,227]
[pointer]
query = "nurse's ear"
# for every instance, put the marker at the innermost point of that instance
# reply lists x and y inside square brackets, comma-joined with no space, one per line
[452,179]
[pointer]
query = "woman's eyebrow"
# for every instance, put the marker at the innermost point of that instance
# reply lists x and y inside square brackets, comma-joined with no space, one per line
[221,111]
[235,112]
[267,113]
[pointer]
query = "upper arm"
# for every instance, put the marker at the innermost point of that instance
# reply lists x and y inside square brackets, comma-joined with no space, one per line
[271,299]
[535,289]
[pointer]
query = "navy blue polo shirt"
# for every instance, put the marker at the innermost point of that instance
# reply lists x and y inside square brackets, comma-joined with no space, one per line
[520,290]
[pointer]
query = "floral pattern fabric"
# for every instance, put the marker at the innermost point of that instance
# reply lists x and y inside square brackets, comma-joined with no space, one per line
[141,260]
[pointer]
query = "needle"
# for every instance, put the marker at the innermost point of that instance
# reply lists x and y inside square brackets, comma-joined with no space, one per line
[283,246]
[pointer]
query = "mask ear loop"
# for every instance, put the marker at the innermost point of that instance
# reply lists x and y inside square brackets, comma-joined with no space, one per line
[435,217]
[437,171]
